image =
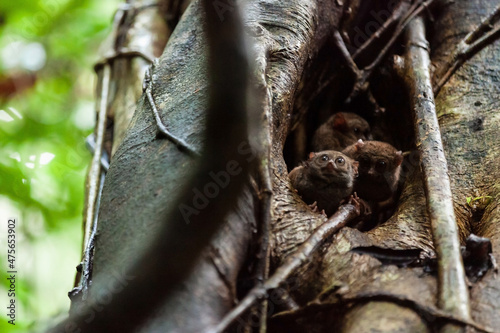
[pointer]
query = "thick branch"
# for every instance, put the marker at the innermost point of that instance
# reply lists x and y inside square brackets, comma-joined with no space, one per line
[453,293]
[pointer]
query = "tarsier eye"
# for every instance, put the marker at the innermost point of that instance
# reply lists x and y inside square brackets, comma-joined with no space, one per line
[380,166]
[356,130]
[340,161]
[324,158]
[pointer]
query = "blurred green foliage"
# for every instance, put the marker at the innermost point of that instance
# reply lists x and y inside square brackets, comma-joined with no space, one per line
[47,52]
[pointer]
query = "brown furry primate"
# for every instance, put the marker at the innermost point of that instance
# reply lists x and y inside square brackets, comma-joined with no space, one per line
[339,131]
[379,171]
[326,178]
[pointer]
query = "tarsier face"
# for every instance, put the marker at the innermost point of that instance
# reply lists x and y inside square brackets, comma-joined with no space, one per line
[377,160]
[353,125]
[379,169]
[374,165]
[333,163]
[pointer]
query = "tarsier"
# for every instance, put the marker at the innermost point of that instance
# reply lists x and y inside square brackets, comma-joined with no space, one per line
[379,169]
[341,130]
[326,178]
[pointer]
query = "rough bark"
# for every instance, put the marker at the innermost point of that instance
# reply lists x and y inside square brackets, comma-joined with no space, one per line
[468,115]
[409,226]
[339,290]
[138,185]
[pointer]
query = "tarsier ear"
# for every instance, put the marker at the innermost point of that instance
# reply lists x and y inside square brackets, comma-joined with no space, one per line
[339,121]
[399,158]
[311,155]
[355,166]
[358,145]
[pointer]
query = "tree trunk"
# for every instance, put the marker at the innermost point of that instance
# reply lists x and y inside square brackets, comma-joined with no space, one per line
[299,78]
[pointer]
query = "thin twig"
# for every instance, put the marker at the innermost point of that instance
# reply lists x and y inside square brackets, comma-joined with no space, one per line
[361,83]
[362,76]
[87,262]
[344,215]
[367,71]
[123,53]
[416,9]
[474,42]
[88,258]
[95,180]
[482,42]
[453,293]
[397,14]
[359,80]
[265,198]
[91,146]
[485,26]
[339,42]
[95,166]
[180,143]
